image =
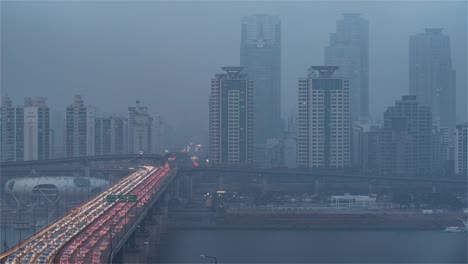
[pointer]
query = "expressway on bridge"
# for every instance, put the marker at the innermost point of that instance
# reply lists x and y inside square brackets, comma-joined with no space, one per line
[329,174]
[86,235]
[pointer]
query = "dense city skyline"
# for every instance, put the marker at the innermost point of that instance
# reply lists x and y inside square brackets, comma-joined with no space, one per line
[134,60]
[238,132]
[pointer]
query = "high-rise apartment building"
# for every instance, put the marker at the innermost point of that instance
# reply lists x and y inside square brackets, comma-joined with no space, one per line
[231,118]
[406,139]
[323,120]
[431,76]
[260,55]
[144,130]
[57,127]
[79,129]
[110,136]
[12,131]
[158,132]
[36,129]
[461,150]
[349,49]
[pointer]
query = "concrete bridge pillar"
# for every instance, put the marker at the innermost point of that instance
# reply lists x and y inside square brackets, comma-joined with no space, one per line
[190,187]
[220,182]
[317,187]
[131,242]
[164,210]
[264,184]
[372,186]
[119,256]
[177,188]
[86,171]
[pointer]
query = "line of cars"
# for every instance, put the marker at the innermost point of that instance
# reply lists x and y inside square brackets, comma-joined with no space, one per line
[95,244]
[42,247]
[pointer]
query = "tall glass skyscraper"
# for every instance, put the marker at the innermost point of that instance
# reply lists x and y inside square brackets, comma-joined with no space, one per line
[261,58]
[349,49]
[432,78]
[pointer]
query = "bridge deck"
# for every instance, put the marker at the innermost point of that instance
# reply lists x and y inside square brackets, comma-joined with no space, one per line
[91,219]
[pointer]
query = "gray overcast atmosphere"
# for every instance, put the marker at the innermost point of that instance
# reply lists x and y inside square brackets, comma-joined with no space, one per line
[165,54]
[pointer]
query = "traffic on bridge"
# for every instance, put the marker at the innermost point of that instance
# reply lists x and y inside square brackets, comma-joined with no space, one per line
[86,234]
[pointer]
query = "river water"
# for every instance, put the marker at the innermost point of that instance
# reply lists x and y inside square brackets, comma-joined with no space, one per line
[314,246]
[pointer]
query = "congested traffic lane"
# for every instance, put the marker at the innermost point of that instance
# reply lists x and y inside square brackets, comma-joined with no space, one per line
[78,242]
[96,242]
[42,247]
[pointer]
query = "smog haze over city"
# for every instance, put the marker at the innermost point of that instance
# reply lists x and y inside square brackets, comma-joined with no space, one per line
[168,51]
[234,131]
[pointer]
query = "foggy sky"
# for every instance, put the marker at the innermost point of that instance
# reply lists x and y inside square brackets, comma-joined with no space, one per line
[164,54]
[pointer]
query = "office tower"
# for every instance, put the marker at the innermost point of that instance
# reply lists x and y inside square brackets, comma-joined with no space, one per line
[461,150]
[364,146]
[12,131]
[36,129]
[260,55]
[110,136]
[231,118]
[405,139]
[324,120]
[79,129]
[431,77]
[144,129]
[349,49]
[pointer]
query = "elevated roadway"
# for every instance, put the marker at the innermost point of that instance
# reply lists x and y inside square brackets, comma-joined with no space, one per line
[63,240]
[328,174]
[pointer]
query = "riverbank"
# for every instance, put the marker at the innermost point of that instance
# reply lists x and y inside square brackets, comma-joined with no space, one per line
[347,228]
[349,221]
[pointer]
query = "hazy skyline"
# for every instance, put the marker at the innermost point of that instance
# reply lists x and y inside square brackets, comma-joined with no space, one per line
[165,54]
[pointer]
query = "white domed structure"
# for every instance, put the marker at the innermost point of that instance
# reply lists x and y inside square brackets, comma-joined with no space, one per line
[54,187]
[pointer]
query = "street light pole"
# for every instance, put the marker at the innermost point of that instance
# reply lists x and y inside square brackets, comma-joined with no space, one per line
[4,234]
[210,257]
[20,227]
[34,220]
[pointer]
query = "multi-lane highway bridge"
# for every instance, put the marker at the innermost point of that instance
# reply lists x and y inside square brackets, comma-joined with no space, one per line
[97,231]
